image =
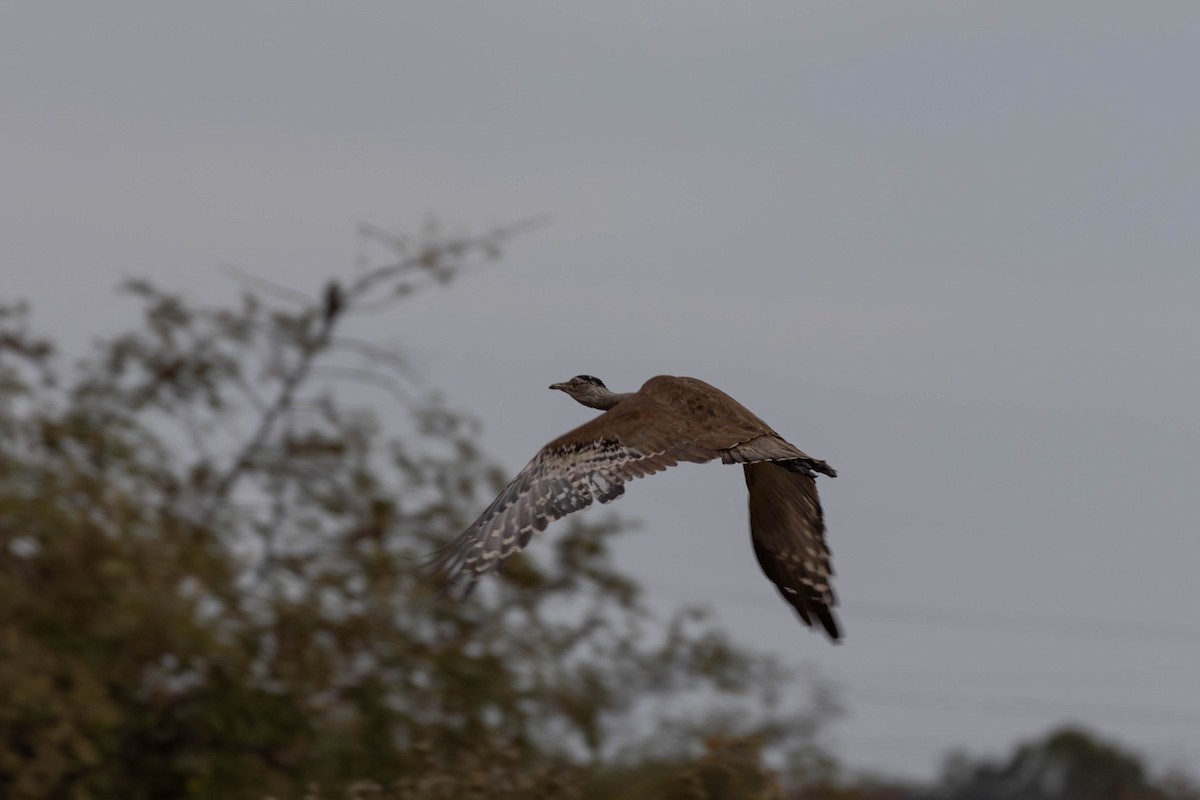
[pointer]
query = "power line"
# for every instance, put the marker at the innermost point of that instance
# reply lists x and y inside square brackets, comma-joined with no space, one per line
[984,619]
[1021,706]
[1073,678]
[1057,625]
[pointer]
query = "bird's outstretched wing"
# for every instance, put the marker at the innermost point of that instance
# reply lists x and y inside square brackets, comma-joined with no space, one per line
[787,529]
[591,463]
[560,480]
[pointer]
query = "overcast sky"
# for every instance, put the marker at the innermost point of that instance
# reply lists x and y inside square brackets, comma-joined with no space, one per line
[948,247]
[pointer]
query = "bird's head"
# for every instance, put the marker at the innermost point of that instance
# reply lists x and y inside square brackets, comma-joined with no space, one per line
[590,391]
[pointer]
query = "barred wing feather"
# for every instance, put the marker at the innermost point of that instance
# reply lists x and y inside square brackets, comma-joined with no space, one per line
[565,477]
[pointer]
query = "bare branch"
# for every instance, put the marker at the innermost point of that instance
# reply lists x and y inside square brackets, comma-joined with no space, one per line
[363,376]
[392,356]
[278,290]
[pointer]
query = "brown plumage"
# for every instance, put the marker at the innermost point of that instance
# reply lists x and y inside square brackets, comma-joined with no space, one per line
[667,421]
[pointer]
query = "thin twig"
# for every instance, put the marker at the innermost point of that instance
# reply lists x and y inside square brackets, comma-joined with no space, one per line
[279,290]
[290,383]
[364,376]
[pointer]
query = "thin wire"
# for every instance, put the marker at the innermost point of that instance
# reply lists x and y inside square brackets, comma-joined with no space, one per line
[982,619]
[1057,625]
[1119,677]
[1021,706]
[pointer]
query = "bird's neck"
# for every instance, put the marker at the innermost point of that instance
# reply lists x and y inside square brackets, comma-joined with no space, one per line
[603,399]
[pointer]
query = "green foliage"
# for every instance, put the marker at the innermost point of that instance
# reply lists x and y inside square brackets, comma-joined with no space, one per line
[211,584]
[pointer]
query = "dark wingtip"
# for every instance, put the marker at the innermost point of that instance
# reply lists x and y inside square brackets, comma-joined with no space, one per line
[830,624]
[443,576]
[456,589]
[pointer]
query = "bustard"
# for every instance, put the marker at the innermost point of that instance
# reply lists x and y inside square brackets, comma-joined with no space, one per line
[668,420]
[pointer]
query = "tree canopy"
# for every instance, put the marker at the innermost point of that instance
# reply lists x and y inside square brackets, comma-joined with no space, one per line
[1069,763]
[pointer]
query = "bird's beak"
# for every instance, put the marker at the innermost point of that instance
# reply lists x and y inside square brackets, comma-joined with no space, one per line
[562,387]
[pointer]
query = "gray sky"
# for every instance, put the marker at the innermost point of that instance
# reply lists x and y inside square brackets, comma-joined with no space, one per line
[949,247]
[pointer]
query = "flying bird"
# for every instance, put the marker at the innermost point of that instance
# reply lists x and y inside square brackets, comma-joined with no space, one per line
[669,420]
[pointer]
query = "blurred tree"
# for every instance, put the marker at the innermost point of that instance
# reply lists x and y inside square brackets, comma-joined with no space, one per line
[210,583]
[1066,764]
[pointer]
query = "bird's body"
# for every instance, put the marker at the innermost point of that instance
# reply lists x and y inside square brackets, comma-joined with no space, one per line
[669,420]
